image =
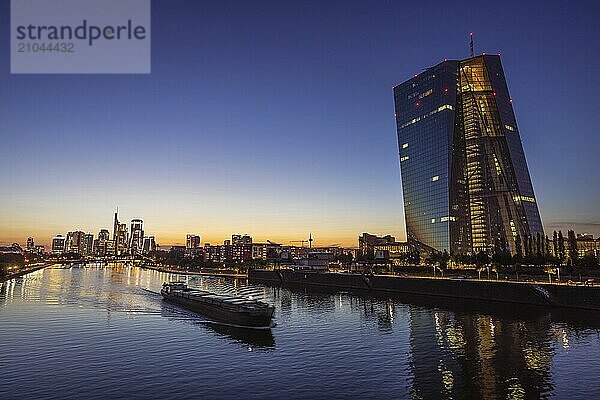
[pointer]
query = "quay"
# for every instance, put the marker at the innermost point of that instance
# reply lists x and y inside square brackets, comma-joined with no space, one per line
[171,270]
[25,270]
[533,293]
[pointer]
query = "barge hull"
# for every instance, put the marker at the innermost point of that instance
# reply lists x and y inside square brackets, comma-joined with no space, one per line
[220,315]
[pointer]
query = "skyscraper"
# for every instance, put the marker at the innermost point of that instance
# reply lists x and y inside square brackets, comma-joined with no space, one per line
[137,236]
[192,241]
[465,180]
[58,244]
[119,236]
[101,244]
[88,244]
[30,244]
[149,244]
[75,242]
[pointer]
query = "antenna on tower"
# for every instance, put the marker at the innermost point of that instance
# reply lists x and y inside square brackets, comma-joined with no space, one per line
[471,44]
[310,240]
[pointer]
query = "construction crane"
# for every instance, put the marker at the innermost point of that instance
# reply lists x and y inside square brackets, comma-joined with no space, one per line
[309,241]
[299,241]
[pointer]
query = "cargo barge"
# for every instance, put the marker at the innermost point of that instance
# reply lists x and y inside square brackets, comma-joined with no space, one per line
[223,308]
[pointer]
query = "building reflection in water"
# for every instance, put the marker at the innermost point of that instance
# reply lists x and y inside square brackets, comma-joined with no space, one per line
[456,349]
[478,356]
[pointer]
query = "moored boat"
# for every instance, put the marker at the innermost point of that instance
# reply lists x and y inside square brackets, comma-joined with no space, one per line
[224,308]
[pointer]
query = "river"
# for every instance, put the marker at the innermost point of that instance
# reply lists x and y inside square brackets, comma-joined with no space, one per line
[103,332]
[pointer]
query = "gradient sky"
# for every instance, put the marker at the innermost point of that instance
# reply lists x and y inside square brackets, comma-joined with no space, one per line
[277,119]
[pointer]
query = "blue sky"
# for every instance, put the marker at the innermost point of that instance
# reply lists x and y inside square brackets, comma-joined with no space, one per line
[276,119]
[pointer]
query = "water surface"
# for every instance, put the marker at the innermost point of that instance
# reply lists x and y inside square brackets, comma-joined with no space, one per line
[103,332]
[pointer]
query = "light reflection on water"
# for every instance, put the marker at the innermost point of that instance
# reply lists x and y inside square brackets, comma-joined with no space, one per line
[104,332]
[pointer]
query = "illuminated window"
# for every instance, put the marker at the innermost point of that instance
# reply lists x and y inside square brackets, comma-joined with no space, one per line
[498,169]
[425,93]
[524,198]
[510,128]
[435,178]
[444,219]
[405,145]
[433,220]
[404,158]
[417,119]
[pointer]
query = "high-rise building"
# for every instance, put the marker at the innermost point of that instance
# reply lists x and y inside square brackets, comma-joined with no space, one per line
[465,180]
[75,242]
[30,244]
[192,241]
[240,249]
[58,244]
[101,245]
[241,239]
[137,236]
[119,236]
[88,244]
[149,244]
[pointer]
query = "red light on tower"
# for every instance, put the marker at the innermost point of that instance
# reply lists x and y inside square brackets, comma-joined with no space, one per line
[418,103]
[445,90]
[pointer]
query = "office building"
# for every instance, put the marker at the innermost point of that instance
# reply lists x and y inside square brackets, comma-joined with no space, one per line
[119,236]
[58,244]
[74,242]
[192,242]
[88,244]
[101,244]
[149,244]
[465,179]
[136,243]
[241,239]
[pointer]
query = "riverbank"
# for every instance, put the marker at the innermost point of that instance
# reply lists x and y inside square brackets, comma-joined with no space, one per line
[24,271]
[171,270]
[539,294]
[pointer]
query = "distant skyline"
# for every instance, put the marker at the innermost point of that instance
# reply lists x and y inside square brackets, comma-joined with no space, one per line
[276,119]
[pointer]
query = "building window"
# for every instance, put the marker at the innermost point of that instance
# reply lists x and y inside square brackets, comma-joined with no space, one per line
[433,220]
[435,178]
[403,158]
[510,128]
[405,145]
[425,93]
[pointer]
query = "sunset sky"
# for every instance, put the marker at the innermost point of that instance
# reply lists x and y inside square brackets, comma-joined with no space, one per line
[277,119]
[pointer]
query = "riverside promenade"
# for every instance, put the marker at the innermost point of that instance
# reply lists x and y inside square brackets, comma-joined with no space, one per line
[25,270]
[169,269]
[534,293]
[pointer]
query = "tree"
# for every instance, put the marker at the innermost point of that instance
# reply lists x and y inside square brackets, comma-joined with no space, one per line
[412,257]
[432,258]
[443,260]
[589,260]
[573,255]
[481,259]
[518,249]
[501,254]
[561,247]
[528,247]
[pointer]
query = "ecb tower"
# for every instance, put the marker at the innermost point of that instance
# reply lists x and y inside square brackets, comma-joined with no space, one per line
[465,180]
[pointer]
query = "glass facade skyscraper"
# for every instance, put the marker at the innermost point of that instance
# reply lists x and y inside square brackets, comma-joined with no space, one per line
[465,180]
